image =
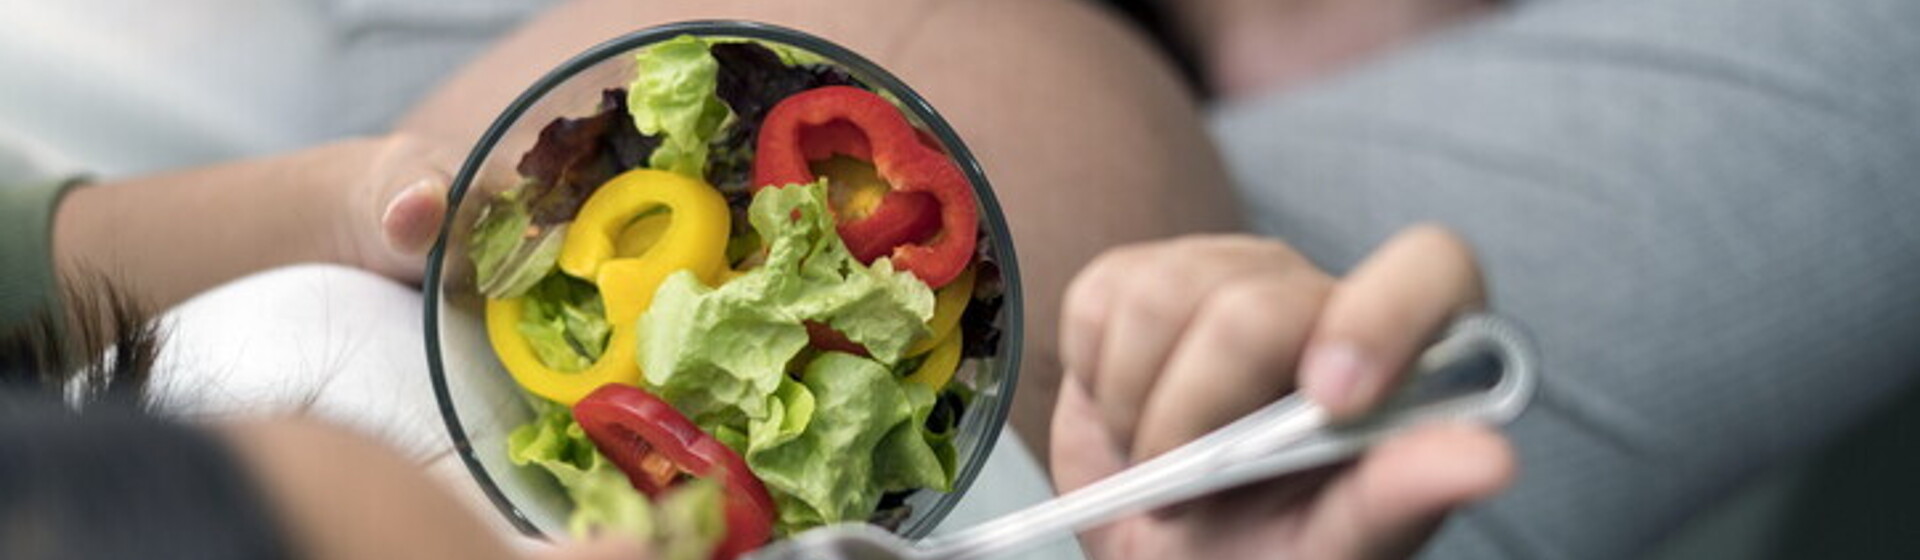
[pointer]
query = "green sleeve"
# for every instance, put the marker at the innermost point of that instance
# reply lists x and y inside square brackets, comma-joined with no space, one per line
[27,284]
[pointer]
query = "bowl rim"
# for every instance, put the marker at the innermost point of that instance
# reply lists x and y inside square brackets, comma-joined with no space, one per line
[1012,307]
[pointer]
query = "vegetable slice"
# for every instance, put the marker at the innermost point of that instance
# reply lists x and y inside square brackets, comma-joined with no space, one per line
[695,240]
[940,364]
[656,445]
[818,123]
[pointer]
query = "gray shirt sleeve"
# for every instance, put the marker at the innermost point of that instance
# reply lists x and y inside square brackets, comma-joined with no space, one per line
[1704,208]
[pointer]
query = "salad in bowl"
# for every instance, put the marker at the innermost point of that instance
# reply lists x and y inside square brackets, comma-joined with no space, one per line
[715,283]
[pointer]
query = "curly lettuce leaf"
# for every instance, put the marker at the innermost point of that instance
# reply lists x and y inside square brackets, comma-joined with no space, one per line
[829,472]
[672,96]
[565,322]
[792,409]
[810,273]
[713,353]
[719,354]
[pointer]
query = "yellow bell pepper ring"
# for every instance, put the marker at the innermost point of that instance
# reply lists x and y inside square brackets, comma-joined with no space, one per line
[940,364]
[596,249]
[948,304]
[616,365]
[695,238]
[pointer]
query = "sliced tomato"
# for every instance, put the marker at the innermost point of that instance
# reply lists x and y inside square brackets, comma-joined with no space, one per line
[657,446]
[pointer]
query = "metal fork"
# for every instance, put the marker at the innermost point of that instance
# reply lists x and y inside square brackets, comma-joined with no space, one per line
[1483,369]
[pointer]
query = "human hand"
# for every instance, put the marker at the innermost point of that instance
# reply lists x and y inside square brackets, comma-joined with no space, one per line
[374,203]
[1164,342]
[389,201]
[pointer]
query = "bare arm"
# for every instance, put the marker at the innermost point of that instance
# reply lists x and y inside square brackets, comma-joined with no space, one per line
[172,235]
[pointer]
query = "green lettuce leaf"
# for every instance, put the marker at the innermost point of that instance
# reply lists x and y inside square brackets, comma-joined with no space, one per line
[565,322]
[518,236]
[909,457]
[719,354]
[672,96]
[506,262]
[712,355]
[692,520]
[825,474]
[810,269]
[685,524]
[603,499]
[792,408]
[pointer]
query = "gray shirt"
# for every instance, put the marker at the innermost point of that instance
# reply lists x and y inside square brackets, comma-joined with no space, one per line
[1704,208]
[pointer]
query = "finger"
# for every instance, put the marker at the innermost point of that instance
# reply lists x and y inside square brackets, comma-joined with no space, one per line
[1085,308]
[1153,309]
[1237,355]
[1082,449]
[413,215]
[1384,313]
[1388,504]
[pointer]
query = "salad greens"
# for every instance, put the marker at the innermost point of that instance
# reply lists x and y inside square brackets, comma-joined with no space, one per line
[506,263]
[565,322]
[830,434]
[673,97]
[836,468]
[719,353]
[752,78]
[518,237]
[683,525]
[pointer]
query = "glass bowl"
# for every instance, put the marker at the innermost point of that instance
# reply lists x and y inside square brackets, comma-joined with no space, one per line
[481,403]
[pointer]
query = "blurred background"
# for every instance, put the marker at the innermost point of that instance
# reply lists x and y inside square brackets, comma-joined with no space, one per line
[115,88]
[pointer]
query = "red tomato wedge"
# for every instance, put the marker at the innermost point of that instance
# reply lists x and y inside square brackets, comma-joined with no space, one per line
[656,446]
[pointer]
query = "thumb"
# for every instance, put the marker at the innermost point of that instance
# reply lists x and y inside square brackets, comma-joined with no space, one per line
[413,214]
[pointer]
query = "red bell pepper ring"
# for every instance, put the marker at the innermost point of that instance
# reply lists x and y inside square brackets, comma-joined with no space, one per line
[655,446]
[818,123]
[899,219]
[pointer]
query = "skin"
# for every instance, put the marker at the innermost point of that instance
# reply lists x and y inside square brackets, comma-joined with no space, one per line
[1150,368]
[374,203]
[340,496]
[1092,144]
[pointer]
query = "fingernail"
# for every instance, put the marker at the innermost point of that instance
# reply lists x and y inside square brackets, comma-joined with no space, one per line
[1331,373]
[393,204]
[411,219]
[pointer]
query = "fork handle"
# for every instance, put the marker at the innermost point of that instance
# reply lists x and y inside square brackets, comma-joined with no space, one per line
[1286,436]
